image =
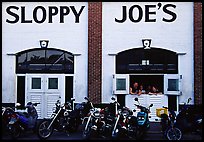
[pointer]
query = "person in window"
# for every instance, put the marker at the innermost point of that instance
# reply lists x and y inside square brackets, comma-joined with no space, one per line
[141,90]
[154,91]
[134,89]
[148,89]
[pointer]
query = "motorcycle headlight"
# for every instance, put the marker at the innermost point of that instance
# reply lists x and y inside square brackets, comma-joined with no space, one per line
[141,118]
[66,113]
[119,111]
[91,110]
[125,114]
[96,114]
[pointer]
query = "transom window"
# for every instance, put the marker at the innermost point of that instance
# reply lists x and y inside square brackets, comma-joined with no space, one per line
[44,60]
[152,60]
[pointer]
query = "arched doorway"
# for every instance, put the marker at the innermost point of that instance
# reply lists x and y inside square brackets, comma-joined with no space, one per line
[44,75]
[148,67]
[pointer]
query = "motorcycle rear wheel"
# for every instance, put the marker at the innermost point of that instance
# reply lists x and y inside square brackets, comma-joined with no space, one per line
[14,131]
[173,133]
[43,132]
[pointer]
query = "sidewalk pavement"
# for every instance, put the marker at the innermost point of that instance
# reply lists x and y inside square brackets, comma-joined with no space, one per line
[154,133]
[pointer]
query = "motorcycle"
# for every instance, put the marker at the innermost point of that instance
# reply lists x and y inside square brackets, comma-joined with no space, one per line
[6,115]
[188,120]
[63,119]
[106,121]
[93,122]
[143,122]
[60,120]
[18,122]
[170,129]
[125,124]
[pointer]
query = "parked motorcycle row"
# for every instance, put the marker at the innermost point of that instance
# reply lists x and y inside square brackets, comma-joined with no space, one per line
[112,122]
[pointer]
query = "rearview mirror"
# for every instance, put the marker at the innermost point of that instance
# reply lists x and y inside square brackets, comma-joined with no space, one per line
[136,99]
[112,98]
[151,105]
[86,98]
[189,99]
[18,104]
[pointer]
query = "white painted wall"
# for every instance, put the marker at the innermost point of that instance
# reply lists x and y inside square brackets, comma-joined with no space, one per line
[176,36]
[69,36]
[73,37]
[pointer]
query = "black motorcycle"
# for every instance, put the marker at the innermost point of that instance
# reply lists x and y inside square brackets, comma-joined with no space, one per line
[18,122]
[125,126]
[108,119]
[58,120]
[93,122]
[101,121]
[189,119]
[63,119]
[170,129]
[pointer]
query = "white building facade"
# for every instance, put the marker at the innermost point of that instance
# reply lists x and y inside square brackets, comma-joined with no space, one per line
[151,43]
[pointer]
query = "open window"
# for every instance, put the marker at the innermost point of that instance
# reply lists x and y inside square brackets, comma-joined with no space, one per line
[172,84]
[148,82]
[120,84]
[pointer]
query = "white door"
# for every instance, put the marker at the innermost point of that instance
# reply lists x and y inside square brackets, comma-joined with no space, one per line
[46,89]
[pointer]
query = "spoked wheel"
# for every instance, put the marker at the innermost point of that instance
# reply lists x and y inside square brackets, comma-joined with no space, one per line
[43,131]
[173,133]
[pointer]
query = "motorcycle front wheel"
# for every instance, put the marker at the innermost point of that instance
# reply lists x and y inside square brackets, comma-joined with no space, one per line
[116,133]
[132,133]
[42,131]
[173,133]
[87,132]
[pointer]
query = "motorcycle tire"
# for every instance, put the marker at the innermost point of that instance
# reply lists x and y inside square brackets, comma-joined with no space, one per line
[132,133]
[173,133]
[14,131]
[87,133]
[42,131]
[116,133]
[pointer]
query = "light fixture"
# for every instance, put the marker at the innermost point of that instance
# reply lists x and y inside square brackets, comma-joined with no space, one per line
[44,43]
[146,43]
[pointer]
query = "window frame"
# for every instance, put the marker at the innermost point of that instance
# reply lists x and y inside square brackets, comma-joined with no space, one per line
[166,81]
[66,66]
[120,76]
